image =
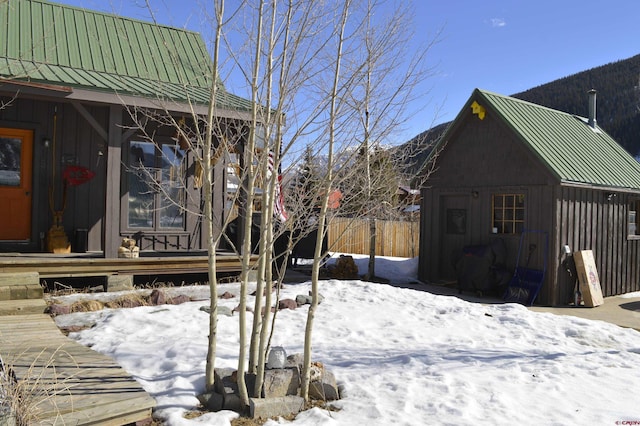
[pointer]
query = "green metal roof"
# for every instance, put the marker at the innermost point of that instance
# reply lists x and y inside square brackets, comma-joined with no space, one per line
[57,44]
[571,149]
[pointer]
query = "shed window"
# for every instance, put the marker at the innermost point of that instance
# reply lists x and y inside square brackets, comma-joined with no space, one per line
[507,212]
[632,222]
[156,186]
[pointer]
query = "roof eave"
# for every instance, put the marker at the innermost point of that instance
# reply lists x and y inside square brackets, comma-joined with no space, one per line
[155,103]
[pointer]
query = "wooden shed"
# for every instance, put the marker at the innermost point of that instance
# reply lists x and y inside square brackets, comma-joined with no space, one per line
[73,82]
[505,166]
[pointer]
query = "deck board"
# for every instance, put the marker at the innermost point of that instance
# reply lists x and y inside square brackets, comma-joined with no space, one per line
[61,266]
[76,385]
[53,266]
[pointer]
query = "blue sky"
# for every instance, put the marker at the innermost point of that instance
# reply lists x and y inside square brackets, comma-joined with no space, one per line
[505,46]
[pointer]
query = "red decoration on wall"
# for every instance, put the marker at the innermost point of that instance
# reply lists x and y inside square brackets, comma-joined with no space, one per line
[77,175]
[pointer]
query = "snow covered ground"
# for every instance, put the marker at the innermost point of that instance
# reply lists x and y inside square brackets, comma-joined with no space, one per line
[406,357]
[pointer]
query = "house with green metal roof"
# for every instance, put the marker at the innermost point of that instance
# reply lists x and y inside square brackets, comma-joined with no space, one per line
[520,185]
[82,100]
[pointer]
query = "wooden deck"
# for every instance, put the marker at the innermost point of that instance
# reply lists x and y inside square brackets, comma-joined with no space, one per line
[61,266]
[69,383]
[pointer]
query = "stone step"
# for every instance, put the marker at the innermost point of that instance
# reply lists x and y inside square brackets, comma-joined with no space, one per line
[22,307]
[20,285]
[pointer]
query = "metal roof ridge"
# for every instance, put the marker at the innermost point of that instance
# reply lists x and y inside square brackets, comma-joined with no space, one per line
[112,15]
[532,104]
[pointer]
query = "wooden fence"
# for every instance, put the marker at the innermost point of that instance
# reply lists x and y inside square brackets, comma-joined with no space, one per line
[394,238]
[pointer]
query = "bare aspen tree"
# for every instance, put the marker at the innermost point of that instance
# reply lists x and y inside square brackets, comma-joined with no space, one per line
[326,188]
[264,262]
[211,244]
[248,183]
[270,178]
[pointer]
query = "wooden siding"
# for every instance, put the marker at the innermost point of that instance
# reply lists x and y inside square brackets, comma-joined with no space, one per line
[75,142]
[394,238]
[589,220]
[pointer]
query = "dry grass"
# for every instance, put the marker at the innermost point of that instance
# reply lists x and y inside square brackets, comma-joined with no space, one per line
[87,306]
[128,301]
[24,394]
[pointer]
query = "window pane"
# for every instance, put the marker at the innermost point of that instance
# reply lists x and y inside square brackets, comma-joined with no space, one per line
[519,227]
[456,221]
[173,187]
[633,219]
[141,176]
[508,215]
[10,159]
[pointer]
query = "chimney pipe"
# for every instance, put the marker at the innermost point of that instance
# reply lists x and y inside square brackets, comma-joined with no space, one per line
[592,108]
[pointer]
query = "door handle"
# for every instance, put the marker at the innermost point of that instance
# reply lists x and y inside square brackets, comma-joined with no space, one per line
[27,193]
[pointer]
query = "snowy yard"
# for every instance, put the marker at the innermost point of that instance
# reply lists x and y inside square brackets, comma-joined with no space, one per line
[405,356]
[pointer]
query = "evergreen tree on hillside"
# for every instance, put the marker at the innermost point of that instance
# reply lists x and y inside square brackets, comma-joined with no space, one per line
[618,99]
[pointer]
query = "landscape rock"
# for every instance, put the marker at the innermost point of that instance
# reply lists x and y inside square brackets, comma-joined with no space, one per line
[303,299]
[179,299]
[222,310]
[265,408]
[59,309]
[212,401]
[157,297]
[326,389]
[281,382]
[295,360]
[226,295]
[233,402]
[287,304]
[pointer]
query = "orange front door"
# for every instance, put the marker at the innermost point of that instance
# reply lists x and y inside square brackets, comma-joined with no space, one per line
[16,152]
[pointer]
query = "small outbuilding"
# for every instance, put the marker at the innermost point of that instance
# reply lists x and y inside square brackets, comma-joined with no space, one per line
[506,167]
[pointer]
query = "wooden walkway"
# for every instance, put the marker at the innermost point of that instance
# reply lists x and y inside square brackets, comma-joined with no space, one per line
[65,382]
[68,383]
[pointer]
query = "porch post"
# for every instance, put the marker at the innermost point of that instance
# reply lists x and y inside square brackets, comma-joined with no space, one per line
[111,226]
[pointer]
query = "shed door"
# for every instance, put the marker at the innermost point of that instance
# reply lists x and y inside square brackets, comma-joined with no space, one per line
[16,150]
[455,231]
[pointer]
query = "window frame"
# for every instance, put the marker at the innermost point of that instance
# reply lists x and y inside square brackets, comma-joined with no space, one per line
[512,209]
[633,210]
[157,172]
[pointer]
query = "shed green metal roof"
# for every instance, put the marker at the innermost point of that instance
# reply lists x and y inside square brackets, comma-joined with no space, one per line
[570,148]
[50,43]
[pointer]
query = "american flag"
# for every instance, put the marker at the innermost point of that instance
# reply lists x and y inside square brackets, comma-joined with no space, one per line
[278,205]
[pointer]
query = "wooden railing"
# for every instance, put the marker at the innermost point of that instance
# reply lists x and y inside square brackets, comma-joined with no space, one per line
[393,238]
